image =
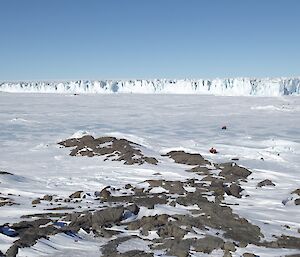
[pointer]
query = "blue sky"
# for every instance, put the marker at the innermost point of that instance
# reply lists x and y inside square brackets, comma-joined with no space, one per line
[95,39]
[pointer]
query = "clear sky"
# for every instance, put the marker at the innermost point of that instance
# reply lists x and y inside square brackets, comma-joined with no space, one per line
[112,39]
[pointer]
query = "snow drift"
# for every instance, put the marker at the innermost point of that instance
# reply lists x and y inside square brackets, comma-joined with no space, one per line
[234,86]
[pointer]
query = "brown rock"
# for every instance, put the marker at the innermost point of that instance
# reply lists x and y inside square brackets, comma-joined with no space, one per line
[297,191]
[265,182]
[227,254]
[229,246]
[234,190]
[249,255]
[128,186]
[104,194]
[36,201]
[76,194]
[47,198]
[187,158]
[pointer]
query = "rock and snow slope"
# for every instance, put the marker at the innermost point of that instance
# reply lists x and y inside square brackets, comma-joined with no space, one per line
[234,86]
[261,132]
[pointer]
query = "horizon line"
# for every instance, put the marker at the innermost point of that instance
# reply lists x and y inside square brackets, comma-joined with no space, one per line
[149,79]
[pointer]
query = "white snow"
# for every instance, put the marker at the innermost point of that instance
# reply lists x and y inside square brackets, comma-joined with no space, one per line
[158,123]
[136,244]
[65,245]
[79,134]
[265,252]
[229,86]
[158,190]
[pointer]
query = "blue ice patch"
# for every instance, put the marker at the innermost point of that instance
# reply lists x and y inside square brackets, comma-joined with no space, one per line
[5,230]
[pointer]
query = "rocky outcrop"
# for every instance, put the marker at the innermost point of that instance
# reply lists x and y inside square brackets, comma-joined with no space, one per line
[176,217]
[187,158]
[111,147]
[266,182]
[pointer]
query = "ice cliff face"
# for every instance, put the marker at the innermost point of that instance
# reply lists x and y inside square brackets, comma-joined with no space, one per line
[235,86]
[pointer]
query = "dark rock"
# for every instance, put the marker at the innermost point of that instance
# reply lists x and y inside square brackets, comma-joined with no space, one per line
[97,219]
[104,193]
[111,147]
[227,254]
[128,186]
[139,191]
[149,223]
[174,187]
[284,241]
[265,182]
[6,201]
[297,191]
[171,230]
[179,248]
[149,202]
[83,221]
[201,170]
[5,173]
[36,201]
[29,237]
[220,217]
[29,232]
[229,246]
[150,160]
[29,224]
[187,158]
[47,198]
[76,194]
[133,253]
[297,201]
[44,215]
[121,199]
[60,208]
[110,249]
[234,190]
[249,255]
[133,208]
[217,186]
[106,233]
[233,172]
[208,244]
[172,203]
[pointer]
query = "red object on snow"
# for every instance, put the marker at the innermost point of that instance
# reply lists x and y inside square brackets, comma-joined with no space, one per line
[213,150]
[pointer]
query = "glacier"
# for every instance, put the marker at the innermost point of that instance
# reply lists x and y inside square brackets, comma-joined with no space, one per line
[226,87]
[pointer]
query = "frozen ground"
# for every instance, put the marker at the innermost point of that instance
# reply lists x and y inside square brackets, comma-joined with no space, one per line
[262,132]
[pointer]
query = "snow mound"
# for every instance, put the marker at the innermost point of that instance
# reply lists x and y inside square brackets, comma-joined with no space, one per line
[230,86]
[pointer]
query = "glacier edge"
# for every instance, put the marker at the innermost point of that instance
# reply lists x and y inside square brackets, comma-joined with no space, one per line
[226,87]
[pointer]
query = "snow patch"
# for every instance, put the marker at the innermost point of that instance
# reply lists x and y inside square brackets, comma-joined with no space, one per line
[136,244]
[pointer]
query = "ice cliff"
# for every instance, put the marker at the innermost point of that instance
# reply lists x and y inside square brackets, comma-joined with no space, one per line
[234,86]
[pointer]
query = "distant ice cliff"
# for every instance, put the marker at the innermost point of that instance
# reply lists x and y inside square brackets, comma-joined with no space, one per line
[234,86]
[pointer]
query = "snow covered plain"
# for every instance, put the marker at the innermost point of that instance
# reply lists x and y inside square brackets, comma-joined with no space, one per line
[262,132]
